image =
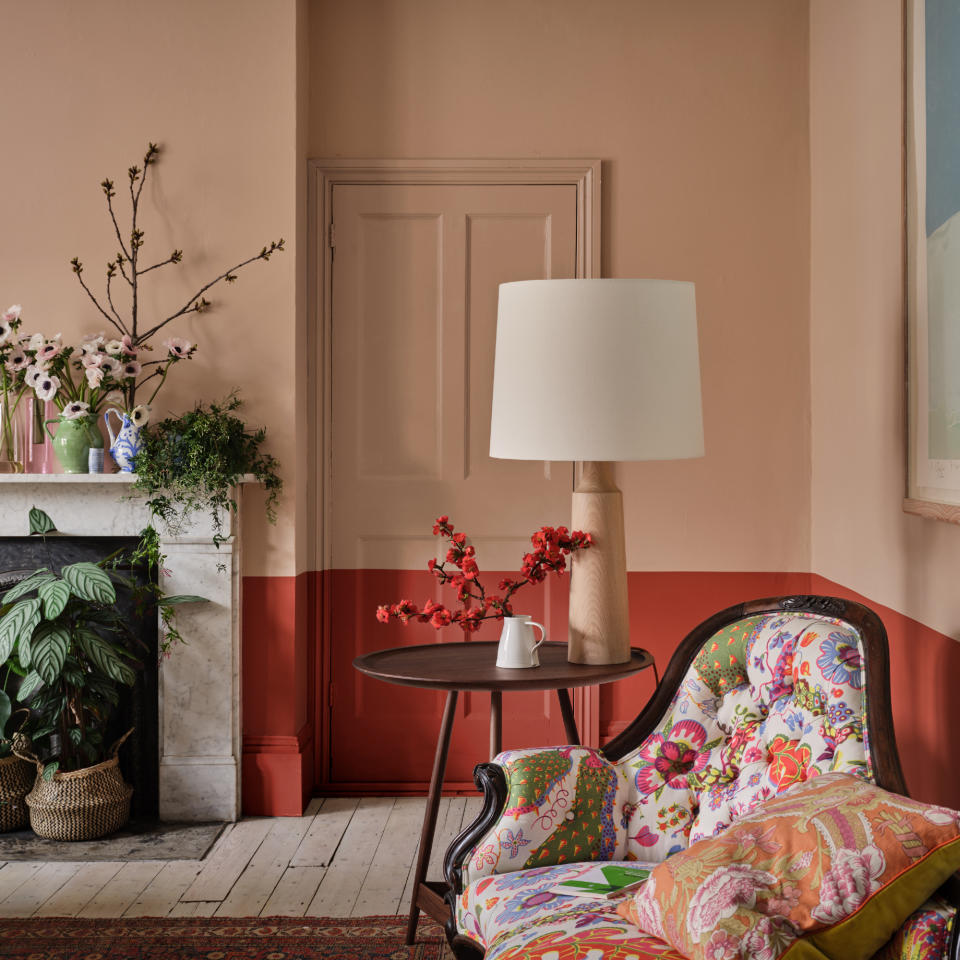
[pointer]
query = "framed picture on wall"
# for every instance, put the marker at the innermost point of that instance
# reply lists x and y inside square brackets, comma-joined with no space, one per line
[932,133]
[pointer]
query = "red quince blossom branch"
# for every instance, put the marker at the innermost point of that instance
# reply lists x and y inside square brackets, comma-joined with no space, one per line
[551,547]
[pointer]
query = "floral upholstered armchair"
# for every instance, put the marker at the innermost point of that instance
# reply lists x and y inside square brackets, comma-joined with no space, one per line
[758,698]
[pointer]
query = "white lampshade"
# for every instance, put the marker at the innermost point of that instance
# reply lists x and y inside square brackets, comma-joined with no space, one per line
[596,370]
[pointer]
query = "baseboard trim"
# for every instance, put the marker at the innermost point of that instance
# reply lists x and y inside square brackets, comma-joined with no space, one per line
[277,773]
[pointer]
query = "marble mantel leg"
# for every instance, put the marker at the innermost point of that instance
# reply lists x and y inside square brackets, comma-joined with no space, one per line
[200,734]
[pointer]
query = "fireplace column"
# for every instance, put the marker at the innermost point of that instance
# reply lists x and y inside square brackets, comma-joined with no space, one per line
[200,735]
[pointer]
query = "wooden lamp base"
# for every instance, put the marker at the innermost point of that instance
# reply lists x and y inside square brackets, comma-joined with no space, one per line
[599,619]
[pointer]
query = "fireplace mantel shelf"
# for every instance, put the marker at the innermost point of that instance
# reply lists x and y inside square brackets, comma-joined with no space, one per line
[84,478]
[67,477]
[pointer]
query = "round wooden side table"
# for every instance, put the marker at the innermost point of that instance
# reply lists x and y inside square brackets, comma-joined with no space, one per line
[472,666]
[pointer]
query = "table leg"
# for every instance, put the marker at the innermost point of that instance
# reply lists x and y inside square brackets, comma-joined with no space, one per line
[433,805]
[566,711]
[496,722]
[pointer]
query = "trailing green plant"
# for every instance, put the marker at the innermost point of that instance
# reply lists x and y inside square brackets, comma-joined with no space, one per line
[193,463]
[63,634]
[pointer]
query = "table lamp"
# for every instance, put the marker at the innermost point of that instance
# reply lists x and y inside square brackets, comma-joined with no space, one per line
[622,362]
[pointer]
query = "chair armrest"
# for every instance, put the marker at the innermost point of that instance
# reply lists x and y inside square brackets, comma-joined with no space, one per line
[541,807]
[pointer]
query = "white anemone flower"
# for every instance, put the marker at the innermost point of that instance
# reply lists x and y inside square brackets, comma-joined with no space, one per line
[91,343]
[17,360]
[35,342]
[94,377]
[131,369]
[12,312]
[140,415]
[47,387]
[75,410]
[113,346]
[5,331]
[48,351]
[91,359]
[109,365]
[34,372]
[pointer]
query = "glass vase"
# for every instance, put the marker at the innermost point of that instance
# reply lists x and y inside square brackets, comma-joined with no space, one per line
[11,434]
[38,453]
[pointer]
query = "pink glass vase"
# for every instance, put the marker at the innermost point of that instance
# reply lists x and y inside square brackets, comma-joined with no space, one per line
[38,456]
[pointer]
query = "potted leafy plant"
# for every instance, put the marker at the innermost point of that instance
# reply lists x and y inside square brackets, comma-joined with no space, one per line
[63,633]
[193,463]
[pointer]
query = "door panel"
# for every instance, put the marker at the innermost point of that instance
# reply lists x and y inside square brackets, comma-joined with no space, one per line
[415,276]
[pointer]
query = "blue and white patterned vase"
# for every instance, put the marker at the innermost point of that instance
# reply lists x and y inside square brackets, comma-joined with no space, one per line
[126,443]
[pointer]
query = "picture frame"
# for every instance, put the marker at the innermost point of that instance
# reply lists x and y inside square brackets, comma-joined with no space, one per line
[932,195]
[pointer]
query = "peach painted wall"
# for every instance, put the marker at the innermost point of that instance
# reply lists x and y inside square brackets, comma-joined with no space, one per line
[699,111]
[861,537]
[86,86]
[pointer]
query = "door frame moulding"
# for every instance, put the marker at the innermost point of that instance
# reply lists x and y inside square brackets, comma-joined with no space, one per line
[322,176]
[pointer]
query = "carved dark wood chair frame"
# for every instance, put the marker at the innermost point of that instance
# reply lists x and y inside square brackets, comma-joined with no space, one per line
[883,744]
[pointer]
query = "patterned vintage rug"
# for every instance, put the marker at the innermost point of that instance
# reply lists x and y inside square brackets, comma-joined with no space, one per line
[211,938]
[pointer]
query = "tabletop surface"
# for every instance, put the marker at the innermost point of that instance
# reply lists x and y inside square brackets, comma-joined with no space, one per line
[471,665]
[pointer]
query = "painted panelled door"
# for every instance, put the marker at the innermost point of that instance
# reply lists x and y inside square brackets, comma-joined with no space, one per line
[415,276]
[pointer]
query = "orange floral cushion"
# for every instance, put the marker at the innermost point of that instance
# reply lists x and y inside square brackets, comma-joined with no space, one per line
[831,868]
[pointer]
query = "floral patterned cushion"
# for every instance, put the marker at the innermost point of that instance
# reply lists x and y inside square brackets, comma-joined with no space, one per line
[516,917]
[831,868]
[924,936]
[769,701]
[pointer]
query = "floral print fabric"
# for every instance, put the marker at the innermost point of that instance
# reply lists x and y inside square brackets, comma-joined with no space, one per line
[924,936]
[768,702]
[515,916]
[800,866]
[563,806]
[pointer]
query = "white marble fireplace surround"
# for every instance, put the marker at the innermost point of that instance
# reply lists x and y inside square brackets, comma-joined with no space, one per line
[200,739]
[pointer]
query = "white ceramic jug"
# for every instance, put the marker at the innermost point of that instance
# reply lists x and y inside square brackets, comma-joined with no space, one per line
[518,647]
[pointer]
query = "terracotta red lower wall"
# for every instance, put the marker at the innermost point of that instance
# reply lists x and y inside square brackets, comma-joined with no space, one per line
[281,670]
[277,664]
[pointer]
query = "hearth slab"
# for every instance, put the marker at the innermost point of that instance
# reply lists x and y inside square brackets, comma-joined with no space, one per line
[146,841]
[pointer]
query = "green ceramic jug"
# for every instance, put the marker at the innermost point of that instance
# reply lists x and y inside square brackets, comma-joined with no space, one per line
[73,441]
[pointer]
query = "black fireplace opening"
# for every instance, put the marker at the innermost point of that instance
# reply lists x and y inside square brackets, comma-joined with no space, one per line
[138,705]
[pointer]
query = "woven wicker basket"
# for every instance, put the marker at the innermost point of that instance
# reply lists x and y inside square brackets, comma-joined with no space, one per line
[16,779]
[81,804]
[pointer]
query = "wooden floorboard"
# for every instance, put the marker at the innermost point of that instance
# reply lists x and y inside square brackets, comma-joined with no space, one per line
[123,889]
[344,877]
[344,857]
[323,837]
[228,860]
[79,890]
[255,885]
[27,898]
[164,891]
[387,874]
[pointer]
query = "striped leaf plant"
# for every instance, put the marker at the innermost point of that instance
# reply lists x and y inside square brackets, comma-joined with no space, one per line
[66,648]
